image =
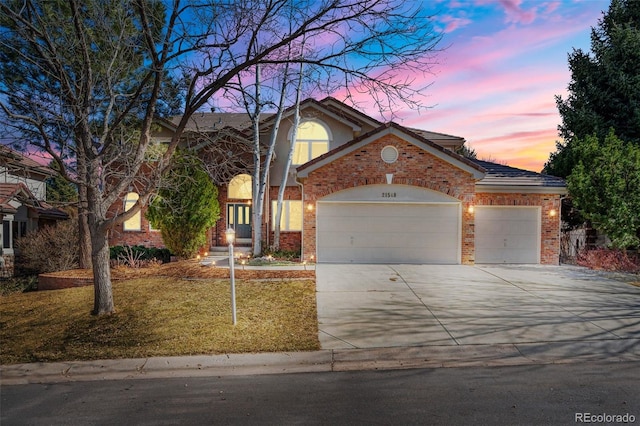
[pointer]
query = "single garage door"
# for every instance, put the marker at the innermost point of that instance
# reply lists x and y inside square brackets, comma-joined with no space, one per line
[507,234]
[388,232]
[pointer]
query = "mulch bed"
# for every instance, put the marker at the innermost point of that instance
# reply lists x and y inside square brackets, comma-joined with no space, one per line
[191,269]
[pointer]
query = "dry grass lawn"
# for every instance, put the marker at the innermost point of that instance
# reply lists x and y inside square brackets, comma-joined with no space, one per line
[159,316]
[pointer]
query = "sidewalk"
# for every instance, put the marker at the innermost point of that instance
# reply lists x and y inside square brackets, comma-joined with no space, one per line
[499,355]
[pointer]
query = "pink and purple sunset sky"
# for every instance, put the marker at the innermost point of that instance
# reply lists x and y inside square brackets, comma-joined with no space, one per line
[504,62]
[501,65]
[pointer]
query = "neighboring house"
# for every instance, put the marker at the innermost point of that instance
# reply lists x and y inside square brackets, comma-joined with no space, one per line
[363,191]
[23,206]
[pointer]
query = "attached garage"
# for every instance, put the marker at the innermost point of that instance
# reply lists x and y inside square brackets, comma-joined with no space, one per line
[507,234]
[402,231]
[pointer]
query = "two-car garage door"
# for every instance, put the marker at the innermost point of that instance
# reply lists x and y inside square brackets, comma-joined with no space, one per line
[362,232]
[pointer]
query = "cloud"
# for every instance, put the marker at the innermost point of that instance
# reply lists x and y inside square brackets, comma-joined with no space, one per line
[453,23]
[527,150]
[516,14]
[495,84]
[551,7]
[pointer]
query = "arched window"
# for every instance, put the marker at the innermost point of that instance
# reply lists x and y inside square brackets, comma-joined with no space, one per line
[133,224]
[312,141]
[240,188]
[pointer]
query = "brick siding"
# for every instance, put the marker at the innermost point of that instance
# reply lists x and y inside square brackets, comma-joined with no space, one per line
[415,167]
[364,166]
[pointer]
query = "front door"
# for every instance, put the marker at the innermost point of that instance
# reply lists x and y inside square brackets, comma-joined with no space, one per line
[239,218]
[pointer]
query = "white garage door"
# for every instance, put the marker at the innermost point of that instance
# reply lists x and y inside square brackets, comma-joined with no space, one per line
[388,232]
[507,234]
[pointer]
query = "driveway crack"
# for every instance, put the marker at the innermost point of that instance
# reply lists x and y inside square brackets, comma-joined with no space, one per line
[444,327]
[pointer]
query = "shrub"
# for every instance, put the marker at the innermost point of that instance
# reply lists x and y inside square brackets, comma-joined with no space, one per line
[186,206]
[136,256]
[18,284]
[50,249]
[609,260]
[283,254]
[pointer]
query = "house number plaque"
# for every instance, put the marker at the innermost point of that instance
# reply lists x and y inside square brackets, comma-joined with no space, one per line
[388,195]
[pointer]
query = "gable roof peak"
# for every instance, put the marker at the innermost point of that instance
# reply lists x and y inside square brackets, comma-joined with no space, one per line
[402,132]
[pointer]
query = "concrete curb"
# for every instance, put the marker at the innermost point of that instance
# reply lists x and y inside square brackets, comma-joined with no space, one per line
[324,361]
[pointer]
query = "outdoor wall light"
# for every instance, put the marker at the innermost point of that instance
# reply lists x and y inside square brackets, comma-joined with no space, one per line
[231,235]
[471,209]
[553,212]
[309,206]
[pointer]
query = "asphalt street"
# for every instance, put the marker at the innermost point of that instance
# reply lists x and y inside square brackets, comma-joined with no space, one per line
[532,394]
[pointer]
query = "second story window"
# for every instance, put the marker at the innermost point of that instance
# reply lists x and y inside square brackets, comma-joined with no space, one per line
[312,141]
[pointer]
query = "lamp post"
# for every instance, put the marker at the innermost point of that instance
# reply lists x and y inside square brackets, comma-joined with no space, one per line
[231,234]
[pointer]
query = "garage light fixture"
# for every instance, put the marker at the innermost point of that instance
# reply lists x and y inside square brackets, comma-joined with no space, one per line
[309,206]
[471,209]
[553,212]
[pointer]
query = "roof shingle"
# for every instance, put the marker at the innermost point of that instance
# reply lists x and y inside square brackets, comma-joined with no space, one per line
[501,175]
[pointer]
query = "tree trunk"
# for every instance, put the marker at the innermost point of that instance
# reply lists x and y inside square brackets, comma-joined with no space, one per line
[83,221]
[258,185]
[287,166]
[258,198]
[102,291]
[85,237]
[103,295]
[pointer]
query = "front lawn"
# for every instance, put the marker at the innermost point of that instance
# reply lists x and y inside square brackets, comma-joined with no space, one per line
[159,317]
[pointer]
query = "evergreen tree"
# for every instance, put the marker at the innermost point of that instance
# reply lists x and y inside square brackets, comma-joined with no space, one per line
[186,206]
[605,186]
[59,189]
[604,92]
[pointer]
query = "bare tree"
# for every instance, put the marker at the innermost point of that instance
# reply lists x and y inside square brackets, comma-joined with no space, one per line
[251,97]
[84,81]
[289,160]
[373,47]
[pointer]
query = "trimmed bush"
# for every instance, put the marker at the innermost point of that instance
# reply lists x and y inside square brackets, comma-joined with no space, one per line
[186,206]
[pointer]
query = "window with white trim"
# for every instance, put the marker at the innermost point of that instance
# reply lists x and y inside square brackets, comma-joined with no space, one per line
[134,223]
[312,141]
[291,219]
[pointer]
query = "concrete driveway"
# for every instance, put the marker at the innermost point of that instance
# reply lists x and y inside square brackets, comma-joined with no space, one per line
[378,306]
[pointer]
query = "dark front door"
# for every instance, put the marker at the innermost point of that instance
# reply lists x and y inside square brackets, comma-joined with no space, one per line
[239,218]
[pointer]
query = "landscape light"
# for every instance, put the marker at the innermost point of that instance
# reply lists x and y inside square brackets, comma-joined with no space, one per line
[231,235]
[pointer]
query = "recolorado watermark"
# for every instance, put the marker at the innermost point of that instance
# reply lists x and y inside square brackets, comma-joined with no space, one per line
[604,418]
